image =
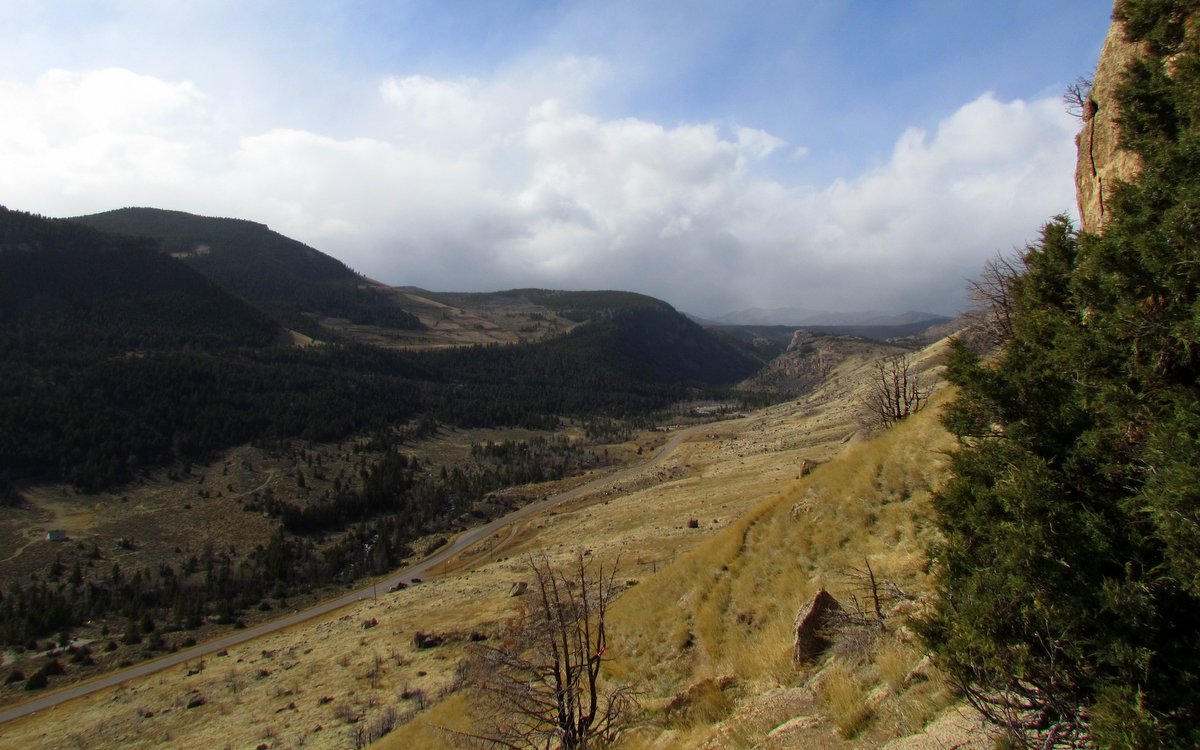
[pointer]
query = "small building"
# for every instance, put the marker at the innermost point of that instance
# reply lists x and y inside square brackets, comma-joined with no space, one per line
[56,535]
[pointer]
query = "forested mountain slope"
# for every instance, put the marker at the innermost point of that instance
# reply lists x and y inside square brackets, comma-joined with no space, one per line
[118,358]
[71,289]
[288,279]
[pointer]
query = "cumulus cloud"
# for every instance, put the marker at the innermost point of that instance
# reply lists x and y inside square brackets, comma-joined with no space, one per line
[472,184]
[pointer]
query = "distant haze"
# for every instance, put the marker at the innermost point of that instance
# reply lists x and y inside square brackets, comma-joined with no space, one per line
[721,156]
[793,316]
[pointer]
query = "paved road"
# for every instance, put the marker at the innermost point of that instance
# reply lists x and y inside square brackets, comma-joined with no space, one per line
[405,575]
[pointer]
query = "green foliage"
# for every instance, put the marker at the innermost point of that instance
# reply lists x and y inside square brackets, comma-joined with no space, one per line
[1158,22]
[1070,570]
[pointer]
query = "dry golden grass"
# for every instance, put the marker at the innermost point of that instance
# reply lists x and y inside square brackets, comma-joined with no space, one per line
[727,607]
[843,694]
[707,602]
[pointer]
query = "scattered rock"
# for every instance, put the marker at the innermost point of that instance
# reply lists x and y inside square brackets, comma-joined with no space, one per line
[518,589]
[196,700]
[703,696]
[812,625]
[797,724]
[427,640]
[920,672]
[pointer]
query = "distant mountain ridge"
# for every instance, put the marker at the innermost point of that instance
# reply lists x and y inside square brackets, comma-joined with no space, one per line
[117,355]
[803,317]
[69,288]
[287,279]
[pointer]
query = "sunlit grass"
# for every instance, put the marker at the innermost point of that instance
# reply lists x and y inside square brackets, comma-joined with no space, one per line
[727,607]
[843,694]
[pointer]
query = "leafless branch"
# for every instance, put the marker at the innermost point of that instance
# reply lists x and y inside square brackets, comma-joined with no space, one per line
[992,296]
[1077,97]
[539,684]
[894,392]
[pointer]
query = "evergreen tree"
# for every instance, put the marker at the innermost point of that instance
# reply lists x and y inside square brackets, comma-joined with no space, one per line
[1069,576]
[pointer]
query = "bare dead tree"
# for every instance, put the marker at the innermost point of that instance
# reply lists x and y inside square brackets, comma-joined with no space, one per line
[1078,96]
[992,298]
[538,686]
[856,626]
[894,392]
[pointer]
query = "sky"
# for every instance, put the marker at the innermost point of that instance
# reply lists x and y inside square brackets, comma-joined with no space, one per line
[839,155]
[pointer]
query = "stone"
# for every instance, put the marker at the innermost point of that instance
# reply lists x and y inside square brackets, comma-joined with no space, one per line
[427,640]
[812,626]
[518,589]
[1102,163]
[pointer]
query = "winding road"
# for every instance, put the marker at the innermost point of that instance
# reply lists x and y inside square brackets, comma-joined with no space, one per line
[406,575]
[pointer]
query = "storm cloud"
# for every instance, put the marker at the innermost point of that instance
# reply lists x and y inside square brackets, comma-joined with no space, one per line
[472,184]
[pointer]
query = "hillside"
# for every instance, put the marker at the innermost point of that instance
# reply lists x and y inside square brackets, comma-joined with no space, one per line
[289,280]
[811,359]
[124,371]
[79,301]
[66,289]
[799,317]
[739,480]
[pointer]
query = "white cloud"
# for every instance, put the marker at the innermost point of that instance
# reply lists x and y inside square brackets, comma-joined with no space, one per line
[486,184]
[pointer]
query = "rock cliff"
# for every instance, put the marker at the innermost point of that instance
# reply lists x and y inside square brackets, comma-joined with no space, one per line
[1102,162]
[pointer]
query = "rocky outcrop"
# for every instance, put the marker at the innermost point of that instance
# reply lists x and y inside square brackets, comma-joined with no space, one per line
[813,626]
[811,361]
[1102,162]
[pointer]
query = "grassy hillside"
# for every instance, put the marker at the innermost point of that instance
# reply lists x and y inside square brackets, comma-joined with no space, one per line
[287,279]
[323,684]
[708,639]
[577,306]
[727,609]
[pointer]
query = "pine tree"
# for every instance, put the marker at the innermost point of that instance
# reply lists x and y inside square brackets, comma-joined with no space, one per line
[1069,576]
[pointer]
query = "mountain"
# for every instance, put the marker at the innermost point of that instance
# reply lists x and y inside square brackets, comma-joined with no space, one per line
[296,284]
[66,288]
[800,317]
[811,358]
[116,357]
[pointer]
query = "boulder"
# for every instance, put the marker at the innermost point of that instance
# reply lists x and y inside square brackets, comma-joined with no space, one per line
[813,625]
[518,589]
[423,640]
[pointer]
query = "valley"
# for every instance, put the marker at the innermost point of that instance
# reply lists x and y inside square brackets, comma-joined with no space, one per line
[251,496]
[197,494]
[321,682]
